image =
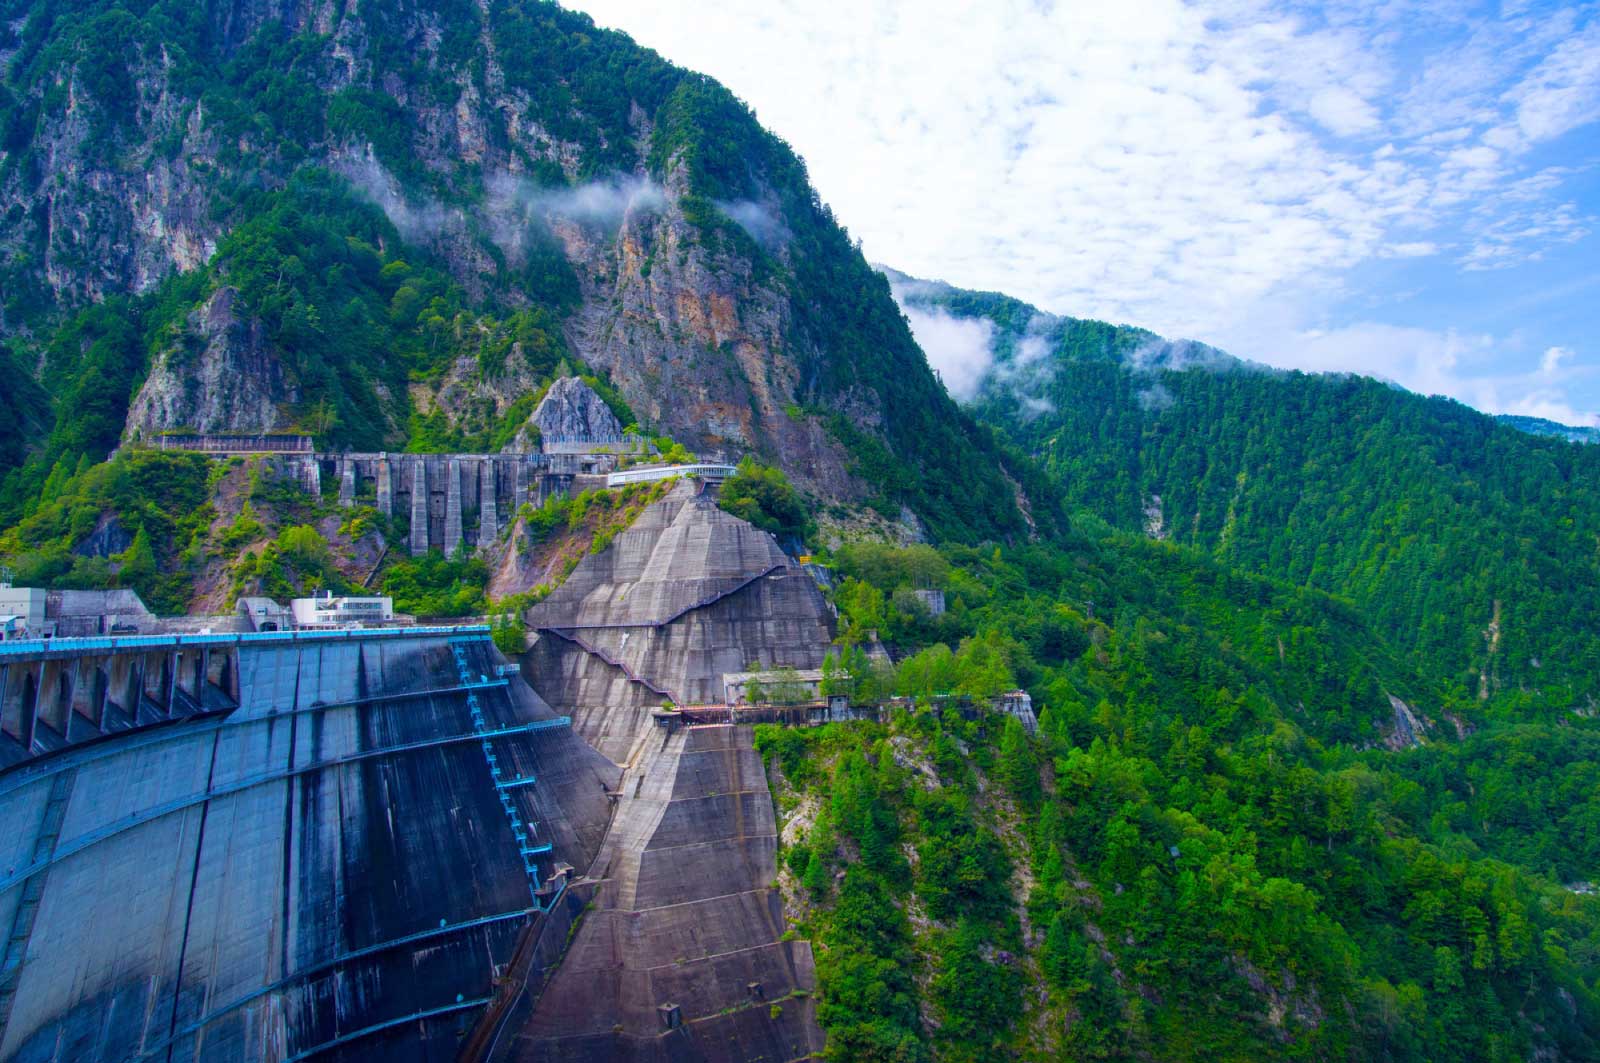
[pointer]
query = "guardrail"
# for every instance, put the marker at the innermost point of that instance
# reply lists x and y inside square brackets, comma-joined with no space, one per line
[22,648]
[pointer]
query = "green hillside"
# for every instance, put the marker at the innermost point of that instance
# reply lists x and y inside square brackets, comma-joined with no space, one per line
[1469,544]
[275,149]
[1314,660]
[1206,854]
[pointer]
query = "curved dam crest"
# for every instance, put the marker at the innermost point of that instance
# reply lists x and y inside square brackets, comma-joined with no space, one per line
[383,846]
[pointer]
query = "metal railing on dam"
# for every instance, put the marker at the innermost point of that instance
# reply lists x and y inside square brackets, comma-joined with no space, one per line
[27,647]
[314,854]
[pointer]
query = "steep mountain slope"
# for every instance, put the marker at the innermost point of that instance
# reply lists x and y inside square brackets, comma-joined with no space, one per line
[1195,859]
[1470,544]
[188,191]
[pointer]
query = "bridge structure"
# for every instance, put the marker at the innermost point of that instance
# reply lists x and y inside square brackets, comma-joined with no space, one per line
[448,502]
[277,846]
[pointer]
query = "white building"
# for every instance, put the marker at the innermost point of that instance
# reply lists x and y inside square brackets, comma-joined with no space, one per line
[327,611]
[27,605]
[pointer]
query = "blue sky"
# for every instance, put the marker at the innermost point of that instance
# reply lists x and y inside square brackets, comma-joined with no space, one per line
[1408,189]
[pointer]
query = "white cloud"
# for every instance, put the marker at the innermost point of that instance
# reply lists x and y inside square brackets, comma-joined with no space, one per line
[600,202]
[1563,92]
[960,350]
[1470,367]
[1193,167]
[1550,363]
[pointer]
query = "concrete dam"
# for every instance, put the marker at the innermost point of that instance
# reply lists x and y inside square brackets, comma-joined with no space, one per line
[395,844]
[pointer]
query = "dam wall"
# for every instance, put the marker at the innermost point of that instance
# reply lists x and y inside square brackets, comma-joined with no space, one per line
[683,954]
[68,692]
[325,862]
[686,595]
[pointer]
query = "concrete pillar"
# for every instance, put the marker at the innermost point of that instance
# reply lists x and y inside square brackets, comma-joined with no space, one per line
[55,694]
[519,493]
[189,671]
[488,519]
[419,507]
[157,680]
[452,507]
[311,475]
[221,670]
[84,693]
[123,691]
[21,695]
[385,487]
[347,482]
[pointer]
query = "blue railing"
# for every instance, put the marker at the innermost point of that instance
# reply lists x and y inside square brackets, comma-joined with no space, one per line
[25,647]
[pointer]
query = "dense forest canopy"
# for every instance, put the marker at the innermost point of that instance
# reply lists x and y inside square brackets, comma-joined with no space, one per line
[1468,543]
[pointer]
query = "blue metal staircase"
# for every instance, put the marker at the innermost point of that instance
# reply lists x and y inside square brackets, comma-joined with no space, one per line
[544,897]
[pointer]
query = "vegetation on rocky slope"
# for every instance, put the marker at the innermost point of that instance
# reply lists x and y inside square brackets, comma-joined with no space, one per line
[1205,854]
[243,114]
[1226,589]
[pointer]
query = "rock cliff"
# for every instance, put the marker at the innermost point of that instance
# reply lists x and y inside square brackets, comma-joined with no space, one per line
[543,165]
[219,376]
[571,410]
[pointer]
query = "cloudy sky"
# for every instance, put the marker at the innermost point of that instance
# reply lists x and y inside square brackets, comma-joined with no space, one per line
[1406,188]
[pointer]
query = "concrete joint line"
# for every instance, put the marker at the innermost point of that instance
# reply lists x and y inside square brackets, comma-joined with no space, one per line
[111,830]
[699,900]
[709,841]
[327,965]
[691,961]
[172,730]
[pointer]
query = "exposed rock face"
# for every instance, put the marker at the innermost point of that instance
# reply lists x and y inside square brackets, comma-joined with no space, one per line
[705,334]
[221,376]
[571,412]
[699,344]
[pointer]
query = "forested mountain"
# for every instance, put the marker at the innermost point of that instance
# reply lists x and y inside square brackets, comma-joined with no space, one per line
[1539,426]
[1197,859]
[1469,543]
[386,223]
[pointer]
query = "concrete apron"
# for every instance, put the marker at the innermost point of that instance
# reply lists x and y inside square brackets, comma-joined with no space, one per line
[681,956]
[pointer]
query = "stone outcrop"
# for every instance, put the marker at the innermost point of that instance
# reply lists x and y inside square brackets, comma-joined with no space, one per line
[220,377]
[700,344]
[571,412]
[713,319]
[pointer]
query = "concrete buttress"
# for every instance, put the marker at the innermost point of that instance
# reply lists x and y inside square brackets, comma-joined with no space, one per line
[419,507]
[452,507]
[488,526]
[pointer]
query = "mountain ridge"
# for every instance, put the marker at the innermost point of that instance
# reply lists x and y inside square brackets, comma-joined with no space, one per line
[1402,503]
[634,215]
